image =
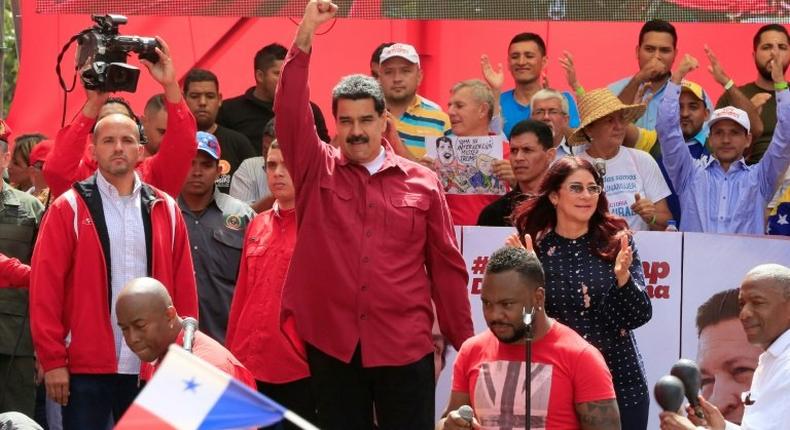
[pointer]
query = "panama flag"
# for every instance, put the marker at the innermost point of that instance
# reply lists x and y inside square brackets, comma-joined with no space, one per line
[188,393]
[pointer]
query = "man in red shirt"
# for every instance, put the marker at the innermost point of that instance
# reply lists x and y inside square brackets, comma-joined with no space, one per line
[571,387]
[150,324]
[375,244]
[276,360]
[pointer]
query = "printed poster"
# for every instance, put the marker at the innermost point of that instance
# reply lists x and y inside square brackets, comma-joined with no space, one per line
[465,165]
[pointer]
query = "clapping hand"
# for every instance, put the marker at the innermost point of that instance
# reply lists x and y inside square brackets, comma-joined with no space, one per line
[623,261]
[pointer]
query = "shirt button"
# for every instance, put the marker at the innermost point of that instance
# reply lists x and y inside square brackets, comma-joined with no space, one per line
[197,222]
[369,233]
[195,247]
[364,259]
[364,288]
[363,317]
[371,205]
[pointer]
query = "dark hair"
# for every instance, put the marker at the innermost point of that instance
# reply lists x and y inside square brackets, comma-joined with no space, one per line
[274,144]
[529,37]
[769,27]
[525,263]
[154,104]
[200,75]
[23,144]
[358,87]
[538,215]
[123,102]
[269,130]
[444,139]
[267,55]
[719,307]
[659,26]
[539,129]
[374,58]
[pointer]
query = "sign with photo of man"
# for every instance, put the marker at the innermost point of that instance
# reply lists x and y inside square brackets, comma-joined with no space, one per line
[465,164]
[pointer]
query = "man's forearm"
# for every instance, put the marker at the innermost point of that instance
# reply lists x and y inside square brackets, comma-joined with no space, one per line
[304,37]
[628,94]
[740,101]
[172,92]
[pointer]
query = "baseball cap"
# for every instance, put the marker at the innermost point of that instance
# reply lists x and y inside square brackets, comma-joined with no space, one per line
[732,113]
[402,50]
[40,152]
[208,143]
[694,88]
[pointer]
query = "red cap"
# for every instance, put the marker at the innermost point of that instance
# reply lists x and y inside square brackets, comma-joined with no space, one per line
[40,151]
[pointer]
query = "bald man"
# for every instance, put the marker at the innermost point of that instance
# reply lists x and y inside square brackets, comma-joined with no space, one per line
[764,302]
[100,234]
[150,324]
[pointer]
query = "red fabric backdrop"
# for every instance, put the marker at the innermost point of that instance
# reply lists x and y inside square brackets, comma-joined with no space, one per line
[450,51]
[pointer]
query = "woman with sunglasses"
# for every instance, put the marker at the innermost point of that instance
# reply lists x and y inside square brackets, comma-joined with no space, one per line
[594,279]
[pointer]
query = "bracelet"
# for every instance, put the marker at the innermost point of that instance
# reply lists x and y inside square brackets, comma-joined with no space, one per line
[653,220]
[779,86]
[579,91]
[729,85]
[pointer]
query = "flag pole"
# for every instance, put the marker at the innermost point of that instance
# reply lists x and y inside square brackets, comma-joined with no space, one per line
[298,421]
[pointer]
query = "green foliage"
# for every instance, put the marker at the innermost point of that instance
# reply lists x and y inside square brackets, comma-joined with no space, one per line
[10,62]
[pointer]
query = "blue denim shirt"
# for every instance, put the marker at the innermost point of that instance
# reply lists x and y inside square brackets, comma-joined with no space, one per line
[712,200]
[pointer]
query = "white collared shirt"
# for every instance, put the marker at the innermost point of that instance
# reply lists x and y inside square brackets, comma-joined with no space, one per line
[374,165]
[128,260]
[770,387]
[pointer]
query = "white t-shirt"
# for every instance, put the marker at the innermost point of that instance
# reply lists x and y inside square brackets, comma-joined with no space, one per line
[632,171]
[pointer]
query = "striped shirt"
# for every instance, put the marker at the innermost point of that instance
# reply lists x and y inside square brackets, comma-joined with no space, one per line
[423,118]
[124,218]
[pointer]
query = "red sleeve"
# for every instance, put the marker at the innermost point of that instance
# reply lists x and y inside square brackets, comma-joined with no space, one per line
[460,372]
[592,380]
[13,273]
[65,165]
[242,374]
[168,168]
[303,151]
[447,271]
[184,287]
[240,293]
[51,258]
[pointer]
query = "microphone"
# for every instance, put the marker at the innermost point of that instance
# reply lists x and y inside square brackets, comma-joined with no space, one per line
[600,166]
[669,391]
[190,326]
[688,373]
[466,413]
[528,317]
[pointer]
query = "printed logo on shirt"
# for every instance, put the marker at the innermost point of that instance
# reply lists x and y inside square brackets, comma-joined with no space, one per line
[499,395]
[233,222]
[224,167]
[223,181]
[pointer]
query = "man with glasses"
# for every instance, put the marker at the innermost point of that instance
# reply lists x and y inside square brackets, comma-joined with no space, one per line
[551,107]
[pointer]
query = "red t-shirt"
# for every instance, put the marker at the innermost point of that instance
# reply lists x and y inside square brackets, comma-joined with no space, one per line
[566,370]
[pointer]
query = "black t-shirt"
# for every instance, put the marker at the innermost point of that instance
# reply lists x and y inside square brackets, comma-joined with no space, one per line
[497,214]
[248,115]
[235,148]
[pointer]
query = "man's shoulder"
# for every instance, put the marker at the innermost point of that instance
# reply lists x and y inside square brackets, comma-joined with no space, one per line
[230,205]
[619,84]
[229,134]
[14,196]
[252,163]
[475,345]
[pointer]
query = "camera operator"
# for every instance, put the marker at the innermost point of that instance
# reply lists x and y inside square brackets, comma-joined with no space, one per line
[167,169]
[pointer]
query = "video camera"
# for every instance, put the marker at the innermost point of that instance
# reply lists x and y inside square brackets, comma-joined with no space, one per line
[102,55]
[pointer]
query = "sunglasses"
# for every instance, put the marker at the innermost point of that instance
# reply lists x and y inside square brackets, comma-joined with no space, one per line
[579,189]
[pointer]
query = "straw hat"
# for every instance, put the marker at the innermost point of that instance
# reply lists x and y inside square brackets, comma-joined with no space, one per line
[597,104]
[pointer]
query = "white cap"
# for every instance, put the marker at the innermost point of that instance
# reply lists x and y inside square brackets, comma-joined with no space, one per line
[733,114]
[402,50]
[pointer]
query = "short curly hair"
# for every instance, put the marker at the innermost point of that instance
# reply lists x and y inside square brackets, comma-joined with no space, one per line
[524,262]
[358,87]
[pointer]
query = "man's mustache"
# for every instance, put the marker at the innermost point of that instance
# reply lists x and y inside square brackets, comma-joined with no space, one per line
[357,139]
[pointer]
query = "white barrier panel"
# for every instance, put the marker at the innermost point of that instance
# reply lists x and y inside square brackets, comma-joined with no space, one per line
[712,264]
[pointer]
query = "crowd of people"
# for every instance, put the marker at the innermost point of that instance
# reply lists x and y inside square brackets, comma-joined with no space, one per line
[324,270]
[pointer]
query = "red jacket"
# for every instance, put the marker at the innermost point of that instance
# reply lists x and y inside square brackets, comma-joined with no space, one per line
[274,355]
[69,288]
[69,162]
[13,273]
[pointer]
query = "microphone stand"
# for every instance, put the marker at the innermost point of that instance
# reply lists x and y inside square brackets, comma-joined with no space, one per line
[528,336]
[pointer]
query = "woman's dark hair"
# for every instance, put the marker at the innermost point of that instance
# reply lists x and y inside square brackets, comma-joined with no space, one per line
[536,216]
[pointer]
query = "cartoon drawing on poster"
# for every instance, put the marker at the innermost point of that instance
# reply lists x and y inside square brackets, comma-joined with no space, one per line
[465,165]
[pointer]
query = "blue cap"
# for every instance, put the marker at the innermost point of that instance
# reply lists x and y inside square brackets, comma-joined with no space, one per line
[208,143]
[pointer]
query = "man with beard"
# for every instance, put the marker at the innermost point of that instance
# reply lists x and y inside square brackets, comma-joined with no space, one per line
[364,310]
[216,223]
[770,42]
[656,53]
[526,59]
[201,92]
[531,154]
[415,116]
[571,387]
